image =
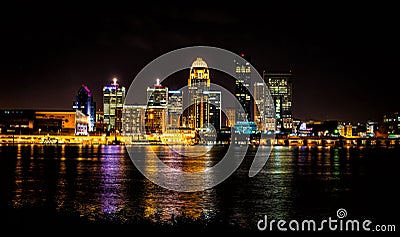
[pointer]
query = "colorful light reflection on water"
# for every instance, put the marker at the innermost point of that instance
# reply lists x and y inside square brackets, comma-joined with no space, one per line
[100,184]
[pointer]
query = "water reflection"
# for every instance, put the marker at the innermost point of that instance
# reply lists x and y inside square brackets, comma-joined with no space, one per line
[166,206]
[112,180]
[100,184]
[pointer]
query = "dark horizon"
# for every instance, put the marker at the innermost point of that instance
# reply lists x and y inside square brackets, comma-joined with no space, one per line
[344,60]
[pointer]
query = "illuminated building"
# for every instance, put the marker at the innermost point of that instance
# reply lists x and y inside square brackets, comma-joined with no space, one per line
[133,120]
[56,122]
[243,80]
[156,111]
[100,126]
[81,123]
[205,105]
[245,127]
[341,130]
[296,125]
[17,121]
[32,122]
[263,108]
[175,109]
[198,82]
[113,102]
[392,122]
[348,130]
[231,117]
[214,99]
[84,102]
[371,127]
[280,88]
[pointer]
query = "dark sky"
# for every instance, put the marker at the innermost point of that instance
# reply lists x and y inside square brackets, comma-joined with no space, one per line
[344,58]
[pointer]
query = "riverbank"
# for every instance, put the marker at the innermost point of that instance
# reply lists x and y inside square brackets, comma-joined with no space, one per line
[124,140]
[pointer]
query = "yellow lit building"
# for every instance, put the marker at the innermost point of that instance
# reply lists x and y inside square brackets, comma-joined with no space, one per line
[156,110]
[55,122]
[198,82]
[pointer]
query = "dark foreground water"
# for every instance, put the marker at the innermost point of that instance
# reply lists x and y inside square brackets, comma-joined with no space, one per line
[46,186]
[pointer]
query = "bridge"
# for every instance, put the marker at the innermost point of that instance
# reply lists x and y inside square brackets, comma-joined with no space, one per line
[338,142]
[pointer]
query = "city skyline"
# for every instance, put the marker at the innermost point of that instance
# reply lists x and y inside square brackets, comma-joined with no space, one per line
[176,87]
[337,61]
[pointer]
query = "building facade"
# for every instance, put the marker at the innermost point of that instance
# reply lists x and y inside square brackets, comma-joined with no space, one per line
[55,122]
[113,102]
[81,123]
[263,108]
[214,99]
[43,122]
[242,89]
[204,105]
[156,110]
[392,122]
[133,120]
[175,109]
[16,121]
[280,88]
[85,103]
[230,114]
[198,82]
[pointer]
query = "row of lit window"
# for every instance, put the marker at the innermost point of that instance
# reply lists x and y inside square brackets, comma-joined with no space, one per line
[242,69]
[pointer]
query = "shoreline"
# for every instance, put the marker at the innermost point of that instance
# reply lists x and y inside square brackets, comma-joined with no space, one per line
[310,142]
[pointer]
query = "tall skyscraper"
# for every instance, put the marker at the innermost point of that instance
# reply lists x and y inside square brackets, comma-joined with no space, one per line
[214,98]
[204,105]
[84,102]
[175,109]
[113,102]
[263,108]
[280,88]
[242,87]
[198,82]
[156,111]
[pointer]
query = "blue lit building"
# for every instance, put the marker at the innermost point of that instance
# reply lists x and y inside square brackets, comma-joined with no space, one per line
[243,127]
[84,102]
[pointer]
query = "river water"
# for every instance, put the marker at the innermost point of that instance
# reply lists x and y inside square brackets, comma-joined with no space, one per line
[97,184]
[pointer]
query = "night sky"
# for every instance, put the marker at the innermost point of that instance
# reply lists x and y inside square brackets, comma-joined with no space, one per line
[344,58]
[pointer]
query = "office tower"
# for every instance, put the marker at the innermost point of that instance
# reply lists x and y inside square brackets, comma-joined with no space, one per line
[133,120]
[242,88]
[204,105]
[113,102]
[280,88]
[175,109]
[263,108]
[214,99]
[84,102]
[198,82]
[156,111]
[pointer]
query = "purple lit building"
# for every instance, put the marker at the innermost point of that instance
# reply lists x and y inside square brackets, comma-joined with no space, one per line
[84,103]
